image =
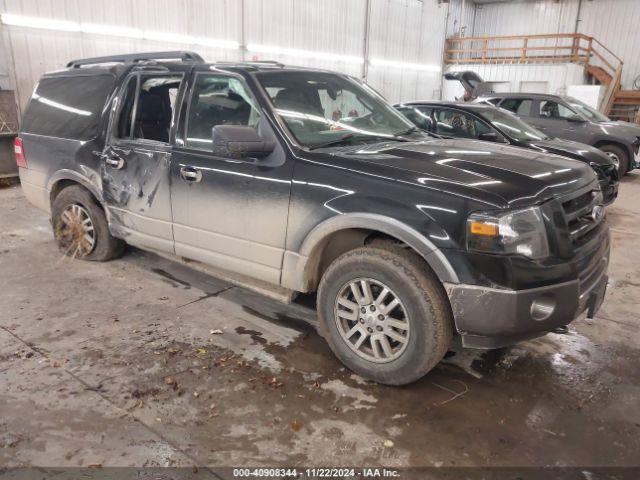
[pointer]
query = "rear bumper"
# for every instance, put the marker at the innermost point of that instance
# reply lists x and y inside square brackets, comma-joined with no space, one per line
[34,188]
[493,318]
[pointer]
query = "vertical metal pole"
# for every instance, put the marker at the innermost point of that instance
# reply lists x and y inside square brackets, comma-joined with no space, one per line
[365,43]
[578,17]
[243,46]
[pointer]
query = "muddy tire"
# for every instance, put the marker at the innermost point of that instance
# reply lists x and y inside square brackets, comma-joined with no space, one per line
[619,155]
[384,290]
[80,227]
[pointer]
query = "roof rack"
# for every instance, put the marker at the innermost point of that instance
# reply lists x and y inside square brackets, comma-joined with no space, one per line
[183,55]
[251,62]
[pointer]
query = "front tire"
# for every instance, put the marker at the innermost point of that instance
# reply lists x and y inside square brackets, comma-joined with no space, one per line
[384,314]
[619,156]
[80,227]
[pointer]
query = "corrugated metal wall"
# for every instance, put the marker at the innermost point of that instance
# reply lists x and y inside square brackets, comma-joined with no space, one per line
[616,23]
[613,22]
[413,33]
[400,30]
[522,18]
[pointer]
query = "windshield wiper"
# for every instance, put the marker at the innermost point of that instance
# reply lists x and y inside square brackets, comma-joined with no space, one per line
[408,131]
[416,129]
[352,137]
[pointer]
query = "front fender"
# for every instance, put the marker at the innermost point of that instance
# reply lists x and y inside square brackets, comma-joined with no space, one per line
[298,267]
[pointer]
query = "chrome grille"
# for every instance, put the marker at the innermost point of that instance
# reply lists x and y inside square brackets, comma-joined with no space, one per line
[581,215]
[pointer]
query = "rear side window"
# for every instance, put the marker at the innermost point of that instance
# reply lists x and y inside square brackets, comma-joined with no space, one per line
[67,107]
[148,107]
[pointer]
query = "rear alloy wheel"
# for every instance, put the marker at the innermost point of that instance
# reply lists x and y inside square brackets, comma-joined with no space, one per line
[76,233]
[384,314]
[80,226]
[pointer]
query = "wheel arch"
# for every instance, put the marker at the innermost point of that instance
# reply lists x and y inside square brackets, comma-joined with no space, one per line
[606,141]
[302,270]
[64,178]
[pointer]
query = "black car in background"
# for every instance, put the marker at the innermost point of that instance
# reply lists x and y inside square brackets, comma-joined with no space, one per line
[484,122]
[561,116]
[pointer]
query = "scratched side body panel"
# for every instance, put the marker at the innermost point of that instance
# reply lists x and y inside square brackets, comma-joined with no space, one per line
[138,196]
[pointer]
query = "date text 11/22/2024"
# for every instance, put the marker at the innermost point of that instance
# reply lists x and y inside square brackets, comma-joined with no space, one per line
[315,473]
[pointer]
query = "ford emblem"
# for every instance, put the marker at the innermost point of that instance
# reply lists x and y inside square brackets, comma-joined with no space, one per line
[597,213]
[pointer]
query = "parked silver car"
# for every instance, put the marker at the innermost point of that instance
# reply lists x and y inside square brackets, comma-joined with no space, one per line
[562,117]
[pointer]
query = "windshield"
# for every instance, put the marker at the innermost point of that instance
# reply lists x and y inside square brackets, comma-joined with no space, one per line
[512,125]
[325,109]
[589,112]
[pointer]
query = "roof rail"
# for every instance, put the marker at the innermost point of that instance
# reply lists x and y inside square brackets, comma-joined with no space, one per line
[183,55]
[251,62]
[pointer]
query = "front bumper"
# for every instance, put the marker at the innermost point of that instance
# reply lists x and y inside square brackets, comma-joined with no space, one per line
[609,191]
[493,318]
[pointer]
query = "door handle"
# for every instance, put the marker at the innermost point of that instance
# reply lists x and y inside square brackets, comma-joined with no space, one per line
[113,161]
[190,174]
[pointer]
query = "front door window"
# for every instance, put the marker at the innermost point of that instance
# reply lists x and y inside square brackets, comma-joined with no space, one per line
[218,100]
[555,110]
[454,123]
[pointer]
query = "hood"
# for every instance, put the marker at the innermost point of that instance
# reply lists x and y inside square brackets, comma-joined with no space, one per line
[576,150]
[472,83]
[505,176]
[630,131]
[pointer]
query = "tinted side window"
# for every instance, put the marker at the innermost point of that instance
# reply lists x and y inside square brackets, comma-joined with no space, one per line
[453,123]
[149,107]
[551,109]
[218,100]
[67,107]
[420,117]
[519,106]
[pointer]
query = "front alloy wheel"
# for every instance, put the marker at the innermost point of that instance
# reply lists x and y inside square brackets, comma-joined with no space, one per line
[384,314]
[372,320]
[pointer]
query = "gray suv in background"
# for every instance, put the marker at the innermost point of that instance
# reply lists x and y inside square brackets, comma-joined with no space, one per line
[562,117]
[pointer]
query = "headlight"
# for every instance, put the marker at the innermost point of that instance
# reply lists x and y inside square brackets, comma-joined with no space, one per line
[519,232]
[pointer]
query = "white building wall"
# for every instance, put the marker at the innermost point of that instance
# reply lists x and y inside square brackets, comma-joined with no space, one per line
[400,30]
[615,23]
[612,22]
[525,18]
[411,32]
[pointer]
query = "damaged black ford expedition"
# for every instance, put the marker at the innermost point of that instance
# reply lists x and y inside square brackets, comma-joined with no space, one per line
[309,181]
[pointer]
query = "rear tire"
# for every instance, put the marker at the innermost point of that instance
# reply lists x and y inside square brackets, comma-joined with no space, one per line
[80,227]
[618,155]
[418,330]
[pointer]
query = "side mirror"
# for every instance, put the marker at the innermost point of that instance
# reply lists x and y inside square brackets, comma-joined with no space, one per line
[240,141]
[490,137]
[576,119]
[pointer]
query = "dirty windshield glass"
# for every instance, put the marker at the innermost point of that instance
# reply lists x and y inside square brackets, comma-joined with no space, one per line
[323,109]
[512,125]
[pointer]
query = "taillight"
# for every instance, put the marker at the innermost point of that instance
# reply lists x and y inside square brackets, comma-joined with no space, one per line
[21,159]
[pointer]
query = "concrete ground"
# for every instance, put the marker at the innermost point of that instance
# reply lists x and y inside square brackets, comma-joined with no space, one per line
[143,362]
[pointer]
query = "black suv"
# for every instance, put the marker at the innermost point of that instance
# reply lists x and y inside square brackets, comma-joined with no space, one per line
[309,181]
[491,124]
